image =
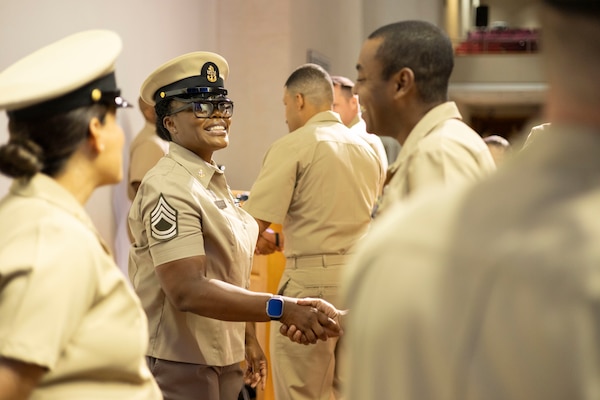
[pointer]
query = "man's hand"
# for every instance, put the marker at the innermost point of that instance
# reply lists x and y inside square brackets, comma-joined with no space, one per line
[269,242]
[319,311]
[295,335]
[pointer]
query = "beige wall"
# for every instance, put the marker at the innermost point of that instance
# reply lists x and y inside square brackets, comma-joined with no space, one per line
[262,40]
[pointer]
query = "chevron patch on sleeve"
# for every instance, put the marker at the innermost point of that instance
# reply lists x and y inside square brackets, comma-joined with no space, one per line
[163,220]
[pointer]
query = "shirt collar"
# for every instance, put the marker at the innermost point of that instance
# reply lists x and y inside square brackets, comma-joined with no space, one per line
[424,127]
[324,116]
[355,120]
[201,170]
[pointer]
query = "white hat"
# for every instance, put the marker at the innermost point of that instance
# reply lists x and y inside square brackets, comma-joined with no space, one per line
[198,74]
[72,72]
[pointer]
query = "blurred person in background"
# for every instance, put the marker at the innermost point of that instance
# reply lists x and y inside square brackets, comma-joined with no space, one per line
[145,150]
[345,103]
[500,148]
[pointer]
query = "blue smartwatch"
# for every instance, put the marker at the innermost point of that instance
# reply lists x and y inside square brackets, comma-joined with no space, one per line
[275,307]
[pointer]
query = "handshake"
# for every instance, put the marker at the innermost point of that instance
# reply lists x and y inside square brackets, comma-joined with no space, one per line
[308,320]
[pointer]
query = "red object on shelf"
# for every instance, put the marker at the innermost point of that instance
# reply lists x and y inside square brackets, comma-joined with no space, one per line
[499,41]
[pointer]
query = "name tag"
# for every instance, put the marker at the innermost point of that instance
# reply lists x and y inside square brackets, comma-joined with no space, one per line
[221,204]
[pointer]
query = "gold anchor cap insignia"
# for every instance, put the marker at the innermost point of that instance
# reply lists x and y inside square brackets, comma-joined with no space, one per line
[211,74]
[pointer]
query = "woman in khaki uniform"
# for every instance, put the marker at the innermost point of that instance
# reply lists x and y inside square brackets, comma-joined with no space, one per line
[193,246]
[70,325]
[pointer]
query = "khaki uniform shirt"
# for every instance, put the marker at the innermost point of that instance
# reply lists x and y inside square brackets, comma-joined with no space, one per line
[64,304]
[359,127]
[486,294]
[320,182]
[440,149]
[144,152]
[184,208]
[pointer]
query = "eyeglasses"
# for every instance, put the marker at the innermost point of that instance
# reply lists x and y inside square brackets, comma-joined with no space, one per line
[207,108]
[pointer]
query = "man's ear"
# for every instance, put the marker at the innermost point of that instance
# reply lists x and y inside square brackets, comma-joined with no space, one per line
[95,137]
[353,102]
[299,98]
[404,81]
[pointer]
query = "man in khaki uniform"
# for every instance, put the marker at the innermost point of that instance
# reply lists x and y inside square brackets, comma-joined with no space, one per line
[403,73]
[320,182]
[491,292]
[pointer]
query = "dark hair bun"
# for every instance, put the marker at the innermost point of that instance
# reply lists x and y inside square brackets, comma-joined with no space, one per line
[20,158]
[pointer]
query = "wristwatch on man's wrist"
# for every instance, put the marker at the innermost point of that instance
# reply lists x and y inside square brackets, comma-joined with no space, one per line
[275,307]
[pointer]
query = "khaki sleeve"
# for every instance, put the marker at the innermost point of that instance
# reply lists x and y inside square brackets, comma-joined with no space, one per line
[171,218]
[272,192]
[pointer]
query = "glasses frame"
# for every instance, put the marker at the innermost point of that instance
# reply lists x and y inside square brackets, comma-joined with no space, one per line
[215,104]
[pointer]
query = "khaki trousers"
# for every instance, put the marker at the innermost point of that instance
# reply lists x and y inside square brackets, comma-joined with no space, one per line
[307,372]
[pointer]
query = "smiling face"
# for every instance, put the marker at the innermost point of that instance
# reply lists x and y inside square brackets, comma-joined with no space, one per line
[203,136]
[375,94]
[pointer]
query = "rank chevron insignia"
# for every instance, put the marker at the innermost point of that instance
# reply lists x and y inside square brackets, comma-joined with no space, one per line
[163,220]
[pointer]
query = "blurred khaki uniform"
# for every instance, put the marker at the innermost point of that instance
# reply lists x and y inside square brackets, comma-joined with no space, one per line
[320,182]
[144,152]
[184,208]
[441,149]
[535,133]
[360,128]
[487,293]
[58,270]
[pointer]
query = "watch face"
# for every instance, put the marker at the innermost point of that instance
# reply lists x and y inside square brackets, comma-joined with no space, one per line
[275,307]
